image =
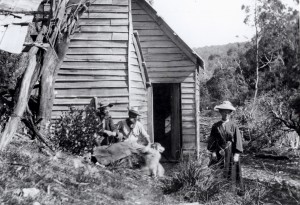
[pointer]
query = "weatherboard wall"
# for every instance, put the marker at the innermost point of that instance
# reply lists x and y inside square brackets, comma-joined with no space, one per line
[138,91]
[167,63]
[97,60]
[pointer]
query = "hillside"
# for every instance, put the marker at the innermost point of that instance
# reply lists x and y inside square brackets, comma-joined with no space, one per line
[221,50]
[216,50]
[28,176]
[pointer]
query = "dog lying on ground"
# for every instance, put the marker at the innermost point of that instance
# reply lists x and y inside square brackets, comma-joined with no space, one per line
[152,157]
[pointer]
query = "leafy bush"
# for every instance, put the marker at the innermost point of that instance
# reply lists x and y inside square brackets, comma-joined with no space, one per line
[75,130]
[258,124]
[9,72]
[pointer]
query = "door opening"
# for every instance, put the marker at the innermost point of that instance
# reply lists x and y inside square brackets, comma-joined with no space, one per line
[167,118]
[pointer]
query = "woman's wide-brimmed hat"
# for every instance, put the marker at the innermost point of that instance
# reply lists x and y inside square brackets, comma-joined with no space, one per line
[134,110]
[226,105]
[104,103]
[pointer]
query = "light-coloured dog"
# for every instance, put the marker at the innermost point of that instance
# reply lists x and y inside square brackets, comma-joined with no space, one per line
[152,157]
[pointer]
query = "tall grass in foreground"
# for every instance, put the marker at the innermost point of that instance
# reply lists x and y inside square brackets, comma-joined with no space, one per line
[58,181]
[194,182]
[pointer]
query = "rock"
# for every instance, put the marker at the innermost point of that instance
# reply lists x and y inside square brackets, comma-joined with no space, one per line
[36,203]
[30,192]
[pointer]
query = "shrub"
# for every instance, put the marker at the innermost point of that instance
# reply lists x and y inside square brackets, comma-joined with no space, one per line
[75,131]
[258,124]
[194,182]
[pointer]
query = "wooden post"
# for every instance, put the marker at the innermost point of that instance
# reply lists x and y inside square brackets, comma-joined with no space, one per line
[12,124]
[129,43]
[150,123]
[197,102]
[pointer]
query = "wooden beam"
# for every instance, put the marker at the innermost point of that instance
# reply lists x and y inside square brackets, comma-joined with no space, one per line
[130,30]
[5,11]
[25,89]
[145,70]
[140,59]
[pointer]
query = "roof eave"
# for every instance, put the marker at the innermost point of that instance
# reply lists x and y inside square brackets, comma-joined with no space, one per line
[171,34]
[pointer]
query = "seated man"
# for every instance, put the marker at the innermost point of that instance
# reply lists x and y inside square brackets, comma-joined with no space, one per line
[108,134]
[132,132]
[131,129]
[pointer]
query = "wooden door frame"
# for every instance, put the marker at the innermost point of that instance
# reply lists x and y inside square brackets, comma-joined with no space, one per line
[150,123]
[176,143]
[176,131]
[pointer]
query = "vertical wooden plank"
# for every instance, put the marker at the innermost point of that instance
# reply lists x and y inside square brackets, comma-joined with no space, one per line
[175,121]
[130,33]
[197,115]
[150,113]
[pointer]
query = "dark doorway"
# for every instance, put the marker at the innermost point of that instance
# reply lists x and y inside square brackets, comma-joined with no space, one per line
[167,118]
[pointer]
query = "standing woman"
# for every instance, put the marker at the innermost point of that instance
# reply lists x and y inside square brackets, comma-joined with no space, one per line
[225,144]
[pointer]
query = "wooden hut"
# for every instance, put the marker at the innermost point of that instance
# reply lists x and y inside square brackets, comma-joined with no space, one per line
[124,52]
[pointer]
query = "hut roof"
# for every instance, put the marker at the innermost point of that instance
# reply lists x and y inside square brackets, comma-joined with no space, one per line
[171,34]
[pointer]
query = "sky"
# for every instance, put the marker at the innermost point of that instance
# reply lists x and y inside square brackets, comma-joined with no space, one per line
[206,22]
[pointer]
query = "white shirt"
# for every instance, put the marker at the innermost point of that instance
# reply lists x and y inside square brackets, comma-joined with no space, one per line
[134,134]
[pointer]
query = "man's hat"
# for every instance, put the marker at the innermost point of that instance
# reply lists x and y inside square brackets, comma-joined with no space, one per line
[134,110]
[104,103]
[226,105]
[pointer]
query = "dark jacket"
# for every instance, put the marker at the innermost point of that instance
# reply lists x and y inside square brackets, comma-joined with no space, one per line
[220,135]
[109,124]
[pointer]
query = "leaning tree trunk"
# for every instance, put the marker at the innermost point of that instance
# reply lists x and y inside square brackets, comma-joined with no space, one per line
[47,84]
[66,15]
[68,25]
[23,97]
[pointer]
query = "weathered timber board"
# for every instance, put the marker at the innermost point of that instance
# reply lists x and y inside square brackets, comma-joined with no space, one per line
[153,38]
[94,72]
[161,50]
[104,15]
[142,18]
[170,64]
[91,92]
[168,74]
[187,106]
[110,2]
[105,51]
[94,65]
[154,32]
[99,84]
[103,29]
[171,69]
[68,78]
[187,96]
[165,57]
[108,9]
[98,22]
[158,44]
[96,58]
[97,44]
[81,101]
[145,25]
